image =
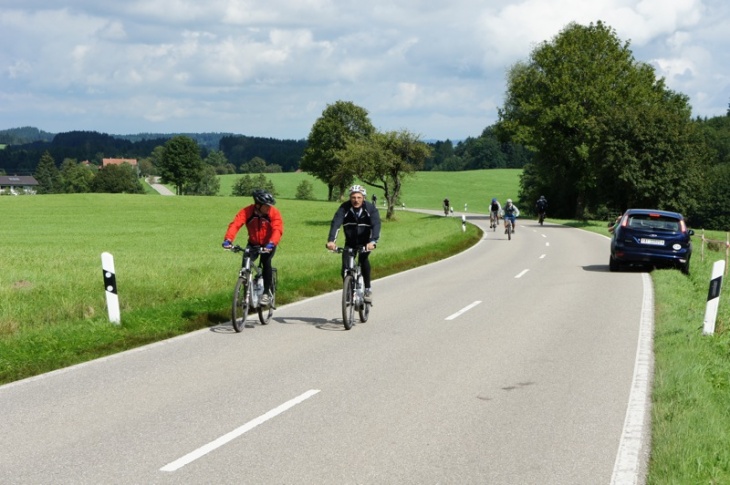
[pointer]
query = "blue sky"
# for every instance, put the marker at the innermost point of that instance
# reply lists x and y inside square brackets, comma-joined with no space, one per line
[269,68]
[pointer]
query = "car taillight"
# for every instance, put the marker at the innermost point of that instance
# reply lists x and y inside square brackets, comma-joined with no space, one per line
[625,221]
[682,226]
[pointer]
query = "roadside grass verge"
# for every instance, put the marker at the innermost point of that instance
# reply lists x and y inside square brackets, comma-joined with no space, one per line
[691,388]
[172,275]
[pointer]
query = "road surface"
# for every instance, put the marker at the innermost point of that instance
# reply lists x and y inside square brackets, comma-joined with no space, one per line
[513,362]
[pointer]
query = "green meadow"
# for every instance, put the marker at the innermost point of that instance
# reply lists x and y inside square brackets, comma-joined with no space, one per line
[172,274]
[173,278]
[424,190]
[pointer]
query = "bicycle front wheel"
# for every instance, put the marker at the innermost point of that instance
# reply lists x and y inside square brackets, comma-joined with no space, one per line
[364,311]
[239,311]
[348,305]
[265,313]
[509,231]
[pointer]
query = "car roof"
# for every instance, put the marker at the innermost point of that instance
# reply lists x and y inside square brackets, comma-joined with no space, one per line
[662,213]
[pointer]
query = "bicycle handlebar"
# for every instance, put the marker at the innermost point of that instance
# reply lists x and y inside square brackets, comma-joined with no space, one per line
[252,249]
[359,249]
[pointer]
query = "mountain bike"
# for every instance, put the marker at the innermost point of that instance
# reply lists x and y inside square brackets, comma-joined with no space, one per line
[493,220]
[508,223]
[353,288]
[541,217]
[250,288]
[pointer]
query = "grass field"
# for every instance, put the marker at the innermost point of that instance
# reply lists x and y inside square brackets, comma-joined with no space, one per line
[172,274]
[425,190]
[173,277]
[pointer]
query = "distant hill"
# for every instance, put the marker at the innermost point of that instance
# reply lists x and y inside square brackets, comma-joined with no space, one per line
[25,146]
[21,136]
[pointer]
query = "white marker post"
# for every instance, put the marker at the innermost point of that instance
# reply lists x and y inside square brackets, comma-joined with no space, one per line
[713,297]
[110,285]
[463,223]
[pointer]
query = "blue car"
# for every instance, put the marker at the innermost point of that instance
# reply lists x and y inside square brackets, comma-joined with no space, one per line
[650,237]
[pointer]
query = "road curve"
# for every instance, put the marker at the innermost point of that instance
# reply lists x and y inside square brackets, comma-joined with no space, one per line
[512,362]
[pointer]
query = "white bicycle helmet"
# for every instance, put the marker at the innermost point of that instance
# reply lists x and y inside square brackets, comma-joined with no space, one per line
[358,188]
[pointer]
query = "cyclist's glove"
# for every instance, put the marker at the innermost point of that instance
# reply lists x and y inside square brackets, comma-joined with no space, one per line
[270,247]
[227,244]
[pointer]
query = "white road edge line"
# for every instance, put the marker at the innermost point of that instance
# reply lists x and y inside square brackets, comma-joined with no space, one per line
[463,310]
[522,273]
[204,450]
[633,448]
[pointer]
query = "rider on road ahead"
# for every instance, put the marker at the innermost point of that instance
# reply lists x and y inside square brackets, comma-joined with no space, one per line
[494,210]
[510,213]
[541,207]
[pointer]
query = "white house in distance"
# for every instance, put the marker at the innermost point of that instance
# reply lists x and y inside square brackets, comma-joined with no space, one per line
[15,185]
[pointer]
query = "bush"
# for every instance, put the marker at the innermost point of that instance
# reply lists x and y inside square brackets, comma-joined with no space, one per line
[245,185]
[305,190]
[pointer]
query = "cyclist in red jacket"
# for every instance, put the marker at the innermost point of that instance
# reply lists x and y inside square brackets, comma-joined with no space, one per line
[265,228]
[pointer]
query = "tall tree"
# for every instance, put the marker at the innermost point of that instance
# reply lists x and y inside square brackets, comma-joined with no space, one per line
[117,179]
[48,176]
[383,160]
[181,162]
[206,183]
[340,122]
[76,178]
[566,102]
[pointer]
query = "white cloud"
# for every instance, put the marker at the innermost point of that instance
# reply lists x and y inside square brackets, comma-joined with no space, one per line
[270,67]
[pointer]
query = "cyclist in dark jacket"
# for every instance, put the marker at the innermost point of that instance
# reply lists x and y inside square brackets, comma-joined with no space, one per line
[541,206]
[360,221]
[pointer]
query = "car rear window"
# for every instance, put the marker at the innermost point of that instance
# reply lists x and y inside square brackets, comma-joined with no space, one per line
[653,222]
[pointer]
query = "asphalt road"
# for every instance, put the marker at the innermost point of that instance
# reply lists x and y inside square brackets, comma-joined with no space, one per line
[511,363]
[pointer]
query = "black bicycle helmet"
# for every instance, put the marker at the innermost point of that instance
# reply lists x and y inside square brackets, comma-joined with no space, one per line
[262,197]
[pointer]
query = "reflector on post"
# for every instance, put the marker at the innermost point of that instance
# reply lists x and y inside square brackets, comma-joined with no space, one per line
[110,287]
[713,297]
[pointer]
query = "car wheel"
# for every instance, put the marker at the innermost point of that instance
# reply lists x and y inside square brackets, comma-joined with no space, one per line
[685,268]
[613,264]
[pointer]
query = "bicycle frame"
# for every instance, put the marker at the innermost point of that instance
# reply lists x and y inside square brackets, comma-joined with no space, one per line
[246,295]
[493,219]
[353,291]
[353,269]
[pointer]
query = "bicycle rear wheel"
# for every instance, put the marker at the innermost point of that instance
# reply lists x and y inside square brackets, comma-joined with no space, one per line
[348,305]
[241,300]
[265,313]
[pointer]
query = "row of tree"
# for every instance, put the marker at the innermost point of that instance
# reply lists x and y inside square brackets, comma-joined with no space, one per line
[343,145]
[74,178]
[232,153]
[607,134]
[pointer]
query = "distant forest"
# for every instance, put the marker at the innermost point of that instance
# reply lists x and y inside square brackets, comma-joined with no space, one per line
[25,146]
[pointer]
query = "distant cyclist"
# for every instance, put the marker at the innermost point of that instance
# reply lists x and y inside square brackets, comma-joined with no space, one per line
[265,227]
[360,220]
[447,206]
[510,212]
[494,209]
[541,207]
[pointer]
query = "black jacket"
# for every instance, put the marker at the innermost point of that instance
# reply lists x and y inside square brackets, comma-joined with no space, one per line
[360,228]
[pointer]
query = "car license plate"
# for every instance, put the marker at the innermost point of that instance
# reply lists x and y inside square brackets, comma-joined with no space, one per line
[652,242]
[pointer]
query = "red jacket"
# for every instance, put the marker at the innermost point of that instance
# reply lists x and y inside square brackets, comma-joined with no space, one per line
[261,229]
